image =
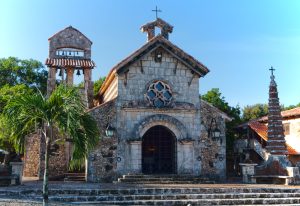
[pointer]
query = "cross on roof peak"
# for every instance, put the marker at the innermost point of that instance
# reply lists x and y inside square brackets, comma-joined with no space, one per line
[272,70]
[156,10]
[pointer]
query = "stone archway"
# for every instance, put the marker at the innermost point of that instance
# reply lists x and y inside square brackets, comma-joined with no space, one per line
[170,122]
[159,151]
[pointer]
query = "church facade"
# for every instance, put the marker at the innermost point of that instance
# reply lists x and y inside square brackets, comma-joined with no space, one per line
[150,101]
[153,100]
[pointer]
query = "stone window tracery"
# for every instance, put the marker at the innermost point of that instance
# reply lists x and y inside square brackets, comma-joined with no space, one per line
[159,94]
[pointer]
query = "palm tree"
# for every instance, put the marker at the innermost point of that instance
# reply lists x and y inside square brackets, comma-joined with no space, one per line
[62,111]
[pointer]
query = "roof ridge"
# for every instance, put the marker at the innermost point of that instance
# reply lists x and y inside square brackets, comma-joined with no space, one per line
[70,27]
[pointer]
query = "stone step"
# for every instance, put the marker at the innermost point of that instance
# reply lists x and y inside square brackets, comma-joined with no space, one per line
[165,182]
[72,198]
[158,175]
[74,177]
[165,178]
[149,191]
[194,202]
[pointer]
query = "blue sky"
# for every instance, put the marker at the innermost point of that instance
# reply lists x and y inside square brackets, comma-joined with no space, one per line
[237,40]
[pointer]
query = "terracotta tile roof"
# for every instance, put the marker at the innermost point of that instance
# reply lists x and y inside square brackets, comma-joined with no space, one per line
[291,113]
[262,131]
[70,63]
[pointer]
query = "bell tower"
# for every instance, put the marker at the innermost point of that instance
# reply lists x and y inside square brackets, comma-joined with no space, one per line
[70,52]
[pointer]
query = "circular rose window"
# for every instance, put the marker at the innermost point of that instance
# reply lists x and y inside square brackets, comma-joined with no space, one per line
[159,94]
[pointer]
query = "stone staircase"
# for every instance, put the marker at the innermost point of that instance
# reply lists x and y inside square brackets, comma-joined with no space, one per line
[180,196]
[164,179]
[74,177]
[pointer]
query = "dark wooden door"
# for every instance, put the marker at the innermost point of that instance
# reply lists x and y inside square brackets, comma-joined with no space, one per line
[158,151]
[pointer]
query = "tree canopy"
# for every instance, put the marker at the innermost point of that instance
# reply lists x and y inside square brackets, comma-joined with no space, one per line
[14,71]
[254,111]
[63,110]
[214,96]
[98,84]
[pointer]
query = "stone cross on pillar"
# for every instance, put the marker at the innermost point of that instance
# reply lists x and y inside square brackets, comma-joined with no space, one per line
[276,141]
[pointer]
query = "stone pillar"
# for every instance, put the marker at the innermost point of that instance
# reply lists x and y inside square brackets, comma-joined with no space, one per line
[135,156]
[88,87]
[17,169]
[185,155]
[70,76]
[247,172]
[276,141]
[293,172]
[51,81]
[150,33]
[165,33]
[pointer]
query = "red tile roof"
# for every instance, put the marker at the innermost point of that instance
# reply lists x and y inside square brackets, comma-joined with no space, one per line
[287,114]
[262,131]
[70,63]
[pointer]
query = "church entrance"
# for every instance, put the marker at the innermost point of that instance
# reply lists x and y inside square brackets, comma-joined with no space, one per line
[159,151]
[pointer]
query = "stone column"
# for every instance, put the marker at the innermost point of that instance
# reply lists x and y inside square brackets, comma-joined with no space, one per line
[185,156]
[51,80]
[70,76]
[136,156]
[248,172]
[17,169]
[88,87]
[150,33]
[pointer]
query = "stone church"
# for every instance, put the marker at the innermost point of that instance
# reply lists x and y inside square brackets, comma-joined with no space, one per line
[150,104]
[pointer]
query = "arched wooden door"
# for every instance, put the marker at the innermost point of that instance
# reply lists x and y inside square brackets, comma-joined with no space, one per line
[159,151]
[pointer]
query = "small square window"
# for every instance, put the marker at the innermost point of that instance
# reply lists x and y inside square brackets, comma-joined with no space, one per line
[286,128]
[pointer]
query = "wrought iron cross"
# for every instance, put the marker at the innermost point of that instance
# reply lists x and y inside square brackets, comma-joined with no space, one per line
[156,11]
[272,70]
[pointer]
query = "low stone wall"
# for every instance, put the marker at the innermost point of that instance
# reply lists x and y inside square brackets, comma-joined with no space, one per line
[34,158]
[58,160]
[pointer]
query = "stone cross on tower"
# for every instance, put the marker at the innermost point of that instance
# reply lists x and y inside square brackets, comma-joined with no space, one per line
[276,141]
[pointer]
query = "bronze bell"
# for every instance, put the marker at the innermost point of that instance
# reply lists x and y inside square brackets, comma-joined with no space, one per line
[78,72]
[60,73]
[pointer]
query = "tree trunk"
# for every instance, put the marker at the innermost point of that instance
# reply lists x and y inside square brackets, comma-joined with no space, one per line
[46,170]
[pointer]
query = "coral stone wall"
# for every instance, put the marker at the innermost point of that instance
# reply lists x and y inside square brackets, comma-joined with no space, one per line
[32,155]
[35,155]
[213,152]
[102,160]
[58,160]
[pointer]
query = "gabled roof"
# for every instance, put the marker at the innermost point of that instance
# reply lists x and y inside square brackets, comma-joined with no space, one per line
[262,131]
[160,41]
[70,28]
[223,114]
